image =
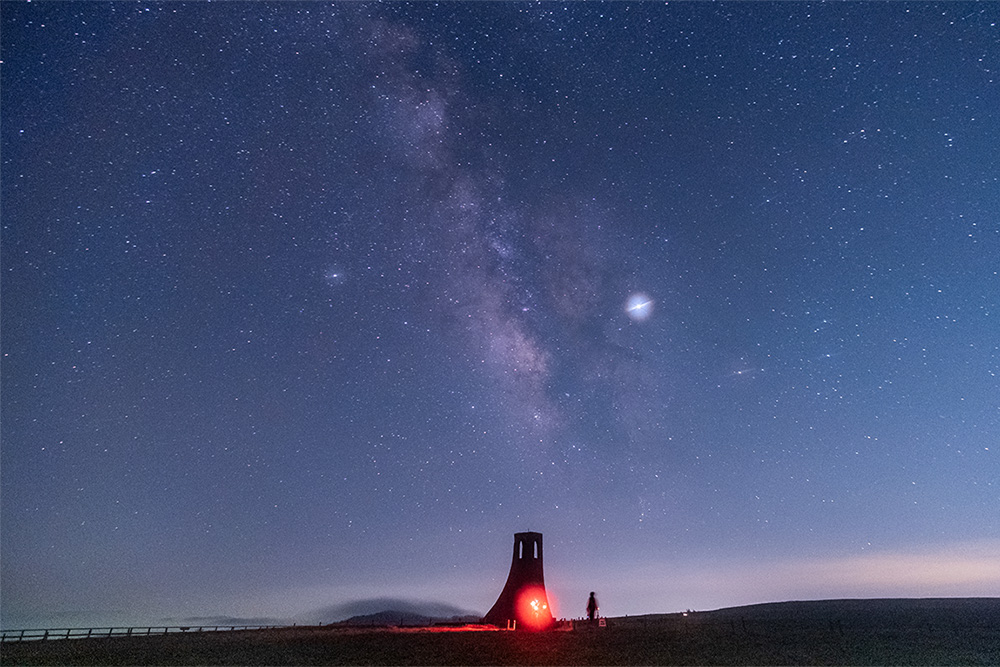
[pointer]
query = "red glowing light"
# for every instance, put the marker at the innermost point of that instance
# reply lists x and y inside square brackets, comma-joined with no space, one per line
[533,609]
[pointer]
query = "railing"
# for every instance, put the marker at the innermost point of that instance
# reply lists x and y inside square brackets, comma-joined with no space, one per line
[141,631]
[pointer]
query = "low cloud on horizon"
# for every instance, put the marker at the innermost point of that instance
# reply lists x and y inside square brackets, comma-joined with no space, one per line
[341,612]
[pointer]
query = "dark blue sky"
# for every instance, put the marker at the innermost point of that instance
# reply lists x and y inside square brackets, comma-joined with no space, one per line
[305,304]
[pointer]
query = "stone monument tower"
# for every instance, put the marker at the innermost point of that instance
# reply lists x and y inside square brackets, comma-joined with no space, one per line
[523,602]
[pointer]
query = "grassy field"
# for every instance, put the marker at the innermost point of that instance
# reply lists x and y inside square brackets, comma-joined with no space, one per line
[839,632]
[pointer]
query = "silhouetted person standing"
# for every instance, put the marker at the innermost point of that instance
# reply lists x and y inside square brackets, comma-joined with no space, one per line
[592,607]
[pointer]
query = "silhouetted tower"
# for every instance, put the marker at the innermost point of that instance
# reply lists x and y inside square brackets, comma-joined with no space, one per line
[523,598]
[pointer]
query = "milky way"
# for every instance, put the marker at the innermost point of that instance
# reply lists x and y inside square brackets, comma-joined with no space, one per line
[308,305]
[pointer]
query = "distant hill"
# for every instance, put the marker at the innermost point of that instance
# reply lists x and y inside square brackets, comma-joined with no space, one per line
[884,613]
[913,609]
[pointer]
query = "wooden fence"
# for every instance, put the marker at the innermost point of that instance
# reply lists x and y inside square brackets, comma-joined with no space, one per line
[85,633]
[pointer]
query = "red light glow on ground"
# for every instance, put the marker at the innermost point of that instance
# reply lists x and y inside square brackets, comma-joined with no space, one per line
[452,628]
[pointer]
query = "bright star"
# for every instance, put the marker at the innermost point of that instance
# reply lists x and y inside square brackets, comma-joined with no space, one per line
[334,276]
[639,307]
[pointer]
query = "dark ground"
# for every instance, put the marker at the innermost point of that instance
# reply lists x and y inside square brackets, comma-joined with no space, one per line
[841,632]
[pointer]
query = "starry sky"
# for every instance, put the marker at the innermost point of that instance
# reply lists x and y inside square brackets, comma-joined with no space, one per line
[306,305]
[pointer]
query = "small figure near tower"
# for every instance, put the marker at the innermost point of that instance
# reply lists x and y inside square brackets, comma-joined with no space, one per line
[523,602]
[592,607]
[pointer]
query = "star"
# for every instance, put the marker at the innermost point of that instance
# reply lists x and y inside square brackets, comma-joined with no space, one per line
[639,307]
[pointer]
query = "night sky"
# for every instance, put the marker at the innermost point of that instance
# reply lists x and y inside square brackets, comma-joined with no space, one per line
[307,305]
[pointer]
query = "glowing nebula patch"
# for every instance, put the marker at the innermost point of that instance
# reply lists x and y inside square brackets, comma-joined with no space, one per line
[639,307]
